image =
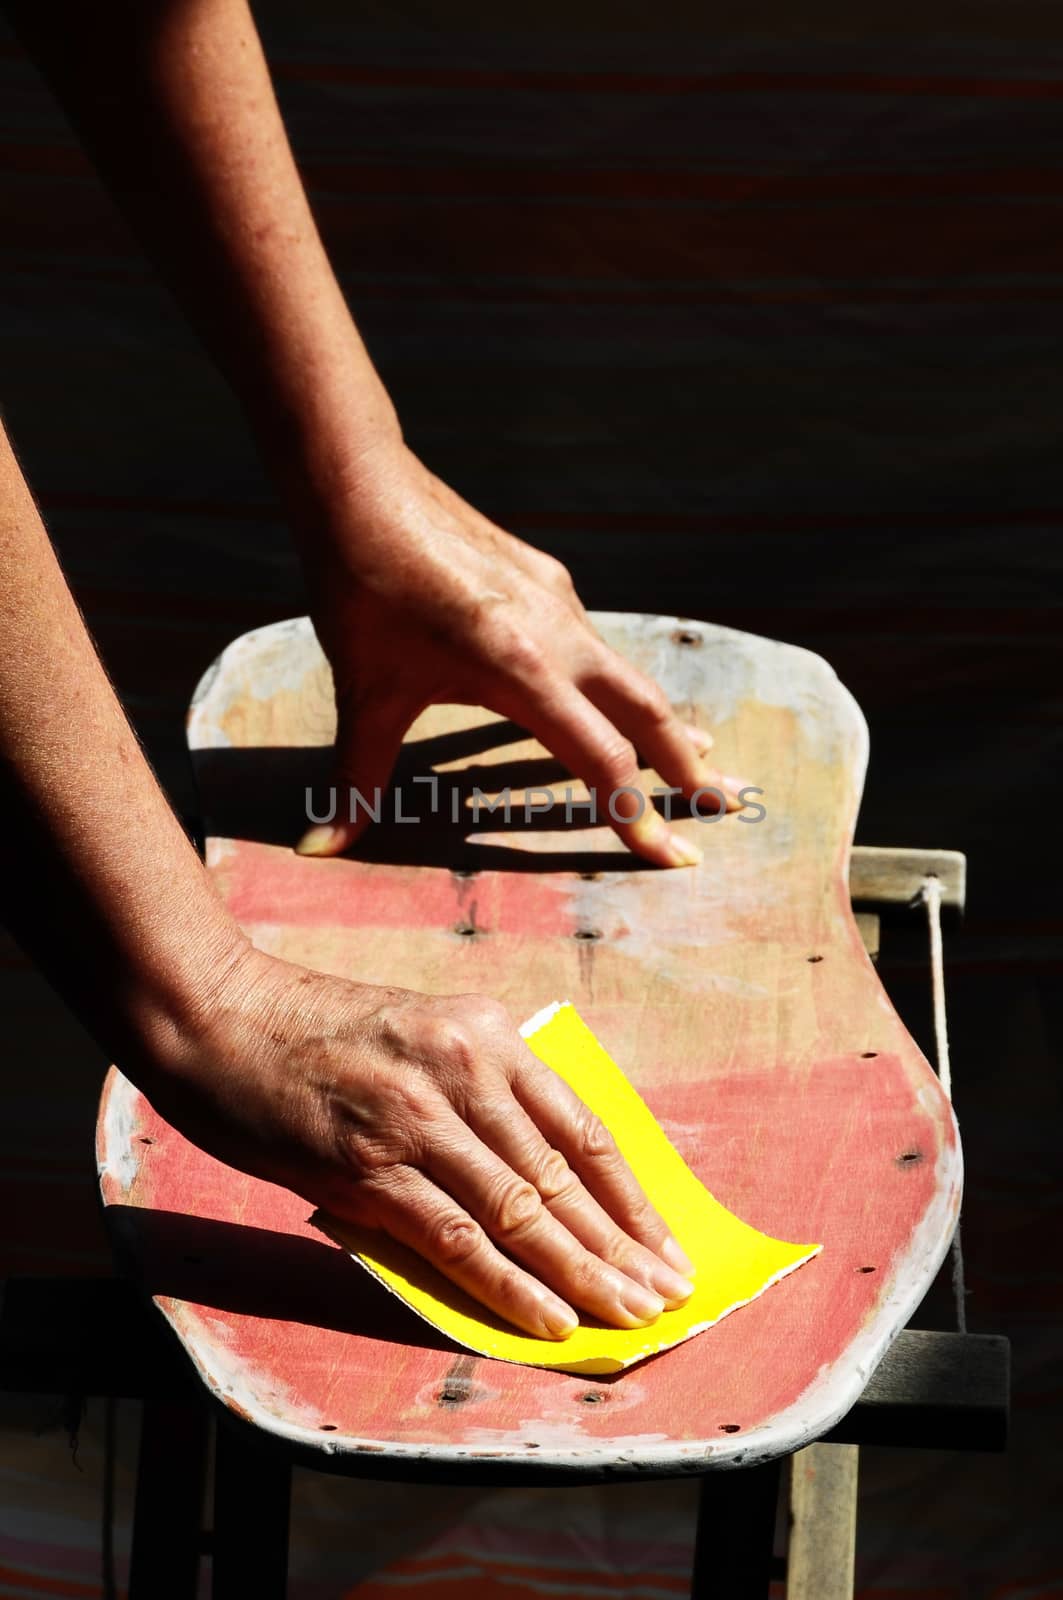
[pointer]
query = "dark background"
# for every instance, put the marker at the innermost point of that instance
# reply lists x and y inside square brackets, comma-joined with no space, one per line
[756,318]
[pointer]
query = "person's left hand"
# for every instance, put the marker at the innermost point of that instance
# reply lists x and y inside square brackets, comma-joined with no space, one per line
[418,599]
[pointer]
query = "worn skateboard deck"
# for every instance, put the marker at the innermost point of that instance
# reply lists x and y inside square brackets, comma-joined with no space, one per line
[737,997]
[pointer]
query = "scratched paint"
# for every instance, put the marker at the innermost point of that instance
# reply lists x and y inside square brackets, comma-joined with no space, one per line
[741,1002]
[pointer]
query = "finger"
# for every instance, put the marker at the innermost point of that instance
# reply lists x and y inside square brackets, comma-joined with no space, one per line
[516,1218]
[592,1152]
[410,1207]
[369,738]
[507,1130]
[702,741]
[641,709]
[579,735]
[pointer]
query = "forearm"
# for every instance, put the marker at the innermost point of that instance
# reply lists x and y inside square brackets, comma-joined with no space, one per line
[100,884]
[174,101]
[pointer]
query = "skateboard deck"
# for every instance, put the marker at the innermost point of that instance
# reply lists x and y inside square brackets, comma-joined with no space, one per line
[737,997]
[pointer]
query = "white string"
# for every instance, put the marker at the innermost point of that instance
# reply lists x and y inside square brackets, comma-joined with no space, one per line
[930,894]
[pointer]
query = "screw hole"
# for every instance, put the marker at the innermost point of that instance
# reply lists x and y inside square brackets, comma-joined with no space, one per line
[868,1055]
[145,1140]
[814,958]
[591,877]
[464,872]
[907,1157]
[466,930]
[865,1269]
[686,636]
[327,1427]
[587,933]
[592,1398]
[730,1427]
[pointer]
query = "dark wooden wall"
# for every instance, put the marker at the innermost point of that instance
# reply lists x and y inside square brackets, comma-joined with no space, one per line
[750,316]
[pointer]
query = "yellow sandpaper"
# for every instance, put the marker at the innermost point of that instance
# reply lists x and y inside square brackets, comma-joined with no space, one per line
[734,1262]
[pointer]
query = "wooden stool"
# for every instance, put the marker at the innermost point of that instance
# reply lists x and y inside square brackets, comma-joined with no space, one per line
[740,999]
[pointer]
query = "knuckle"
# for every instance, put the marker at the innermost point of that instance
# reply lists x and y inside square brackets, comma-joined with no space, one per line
[484,1015]
[617,760]
[453,1239]
[517,1207]
[519,654]
[586,1276]
[451,1040]
[554,1178]
[595,1140]
[651,702]
[556,573]
[643,1219]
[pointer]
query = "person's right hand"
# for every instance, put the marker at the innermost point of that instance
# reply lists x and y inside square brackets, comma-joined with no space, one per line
[429,1118]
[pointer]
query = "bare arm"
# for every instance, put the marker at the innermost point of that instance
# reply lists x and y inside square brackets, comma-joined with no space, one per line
[426,1117]
[415,595]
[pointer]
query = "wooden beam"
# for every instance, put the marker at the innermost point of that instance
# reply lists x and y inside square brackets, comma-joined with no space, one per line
[893,876]
[821,1560]
[870,930]
[252,1501]
[938,1391]
[735,1532]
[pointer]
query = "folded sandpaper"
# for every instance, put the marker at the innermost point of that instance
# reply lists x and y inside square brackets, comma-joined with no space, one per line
[734,1262]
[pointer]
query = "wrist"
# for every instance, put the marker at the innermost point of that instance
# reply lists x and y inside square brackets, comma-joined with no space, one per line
[172,1005]
[325,430]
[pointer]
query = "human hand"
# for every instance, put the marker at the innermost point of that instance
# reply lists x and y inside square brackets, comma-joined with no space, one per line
[418,599]
[429,1118]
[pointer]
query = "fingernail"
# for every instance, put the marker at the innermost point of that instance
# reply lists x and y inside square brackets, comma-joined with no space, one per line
[671,1285]
[559,1318]
[642,1303]
[681,852]
[324,839]
[670,1251]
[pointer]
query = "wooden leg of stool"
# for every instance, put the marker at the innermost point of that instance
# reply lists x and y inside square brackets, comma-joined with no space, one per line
[822,1558]
[168,1511]
[252,1508]
[736,1531]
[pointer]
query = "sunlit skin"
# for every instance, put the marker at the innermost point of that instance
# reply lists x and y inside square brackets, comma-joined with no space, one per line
[425,1116]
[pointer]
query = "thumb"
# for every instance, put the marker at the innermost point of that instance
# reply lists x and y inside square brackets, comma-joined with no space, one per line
[368,740]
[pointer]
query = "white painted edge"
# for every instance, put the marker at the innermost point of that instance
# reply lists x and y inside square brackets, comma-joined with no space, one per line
[827,1399]
[208,704]
[541,1018]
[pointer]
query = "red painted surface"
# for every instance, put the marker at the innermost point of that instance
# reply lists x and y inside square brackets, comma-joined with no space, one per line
[740,1001]
[271,884]
[762,1151]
